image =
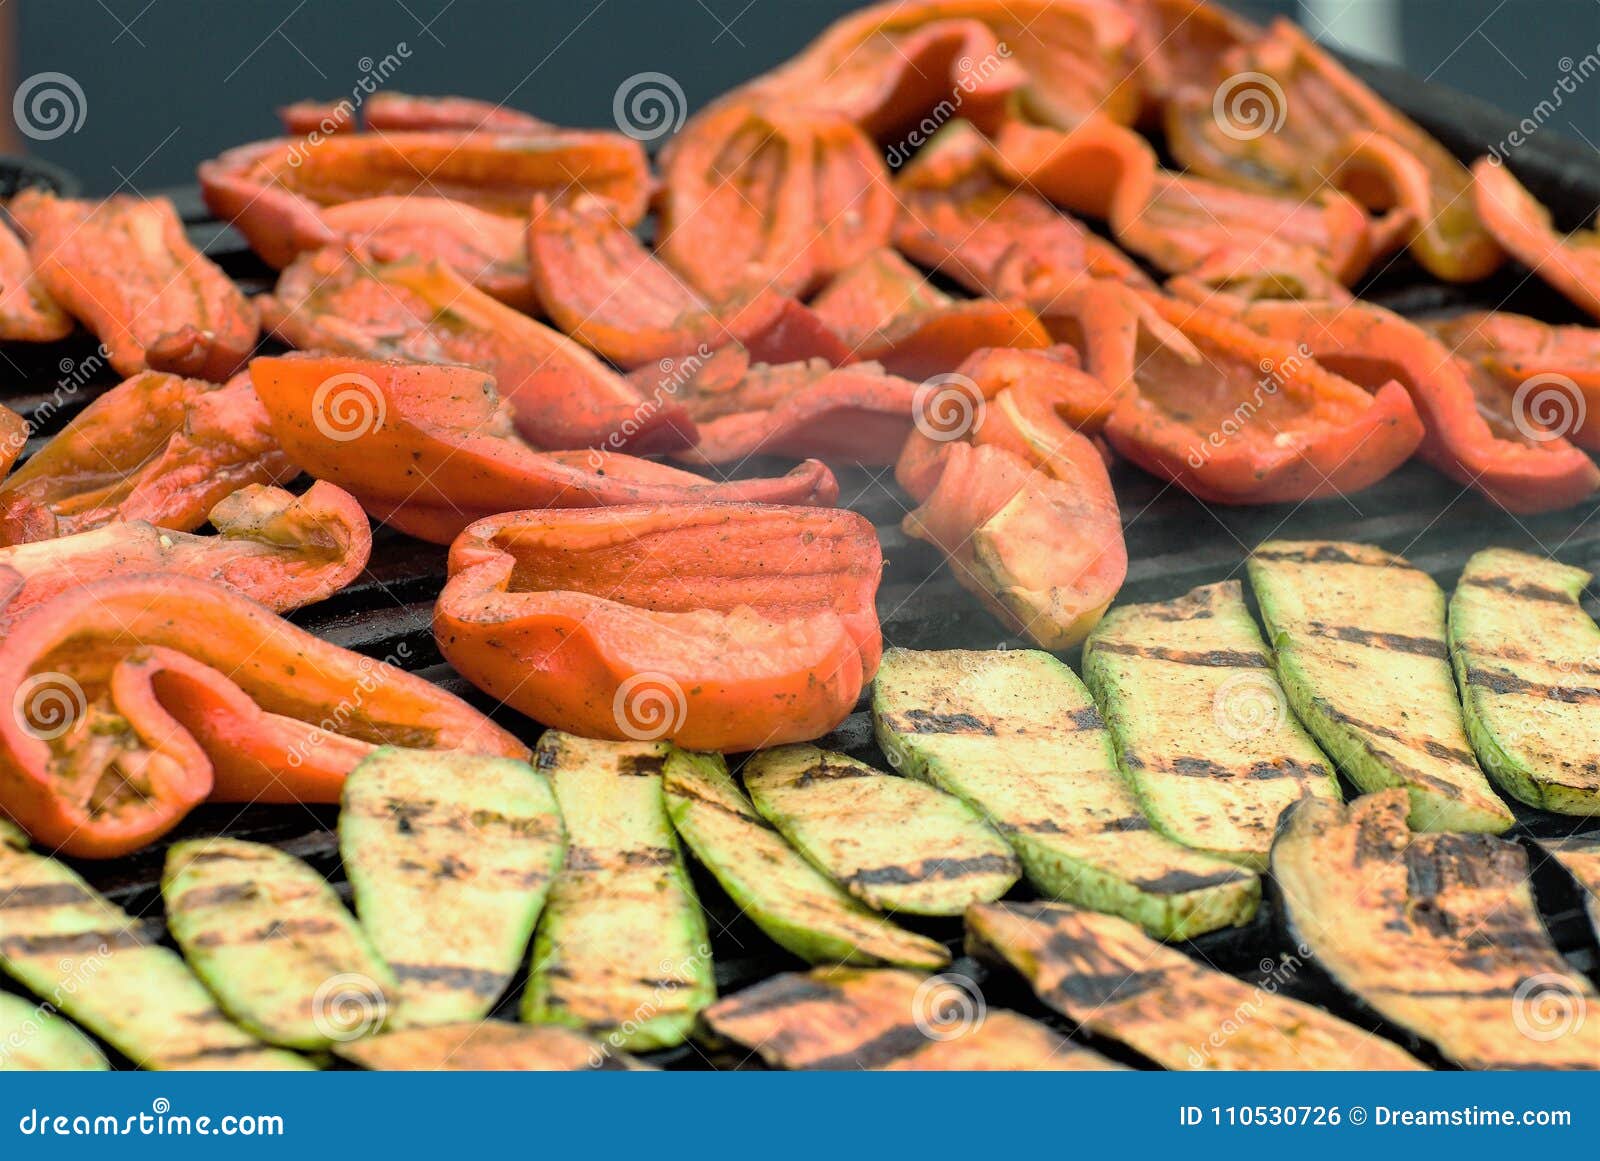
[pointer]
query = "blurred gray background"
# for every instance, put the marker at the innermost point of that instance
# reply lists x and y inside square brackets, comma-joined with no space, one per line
[166,83]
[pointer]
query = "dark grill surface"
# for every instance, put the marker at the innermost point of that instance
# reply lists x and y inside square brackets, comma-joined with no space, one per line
[1174,543]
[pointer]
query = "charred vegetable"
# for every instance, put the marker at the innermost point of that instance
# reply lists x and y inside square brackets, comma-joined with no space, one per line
[36,1038]
[800,908]
[1202,729]
[1016,736]
[484,1046]
[1581,858]
[895,844]
[450,857]
[622,950]
[1360,642]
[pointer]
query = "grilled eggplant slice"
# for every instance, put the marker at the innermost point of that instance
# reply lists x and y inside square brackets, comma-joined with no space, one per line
[1016,736]
[1106,975]
[1581,859]
[800,908]
[450,857]
[622,950]
[273,943]
[1527,661]
[69,945]
[485,1046]
[1437,932]
[1359,637]
[1202,729]
[36,1038]
[895,844]
[852,1018]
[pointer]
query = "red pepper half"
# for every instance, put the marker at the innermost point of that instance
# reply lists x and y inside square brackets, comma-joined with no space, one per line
[1570,263]
[598,283]
[27,312]
[888,313]
[461,197]
[430,448]
[157,447]
[137,697]
[276,548]
[856,414]
[1256,421]
[561,396]
[126,268]
[389,112]
[721,627]
[1555,367]
[1469,429]
[758,196]
[1177,43]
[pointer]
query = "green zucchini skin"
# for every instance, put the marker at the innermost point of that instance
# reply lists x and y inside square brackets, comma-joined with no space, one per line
[35,1039]
[1527,663]
[839,1018]
[797,906]
[450,857]
[485,1046]
[1106,975]
[1359,641]
[271,940]
[1437,932]
[1580,857]
[1202,728]
[72,947]
[622,950]
[895,844]
[1016,736]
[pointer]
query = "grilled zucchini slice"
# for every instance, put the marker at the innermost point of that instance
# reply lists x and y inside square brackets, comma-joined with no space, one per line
[622,950]
[1015,735]
[1360,641]
[1527,661]
[450,857]
[273,943]
[1437,932]
[895,844]
[1202,729]
[834,1018]
[799,908]
[71,946]
[1581,859]
[1106,975]
[485,1046]
[36,1038]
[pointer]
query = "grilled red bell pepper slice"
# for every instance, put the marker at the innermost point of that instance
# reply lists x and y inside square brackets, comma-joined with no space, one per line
[1570,262]
[962,216]
[598,283]
[721,627]
[389,112]
[759,196]
[27,312]
[1279,115]
[1024,511]
[461,197]
[430,448]
[561,396]
[1108,324]
[1515,350]
[888,313]
[1469,431]
[125,268]
[1256,421]
[282,550]
[1177,44]
[157,447]
[856,414]
[139,696]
